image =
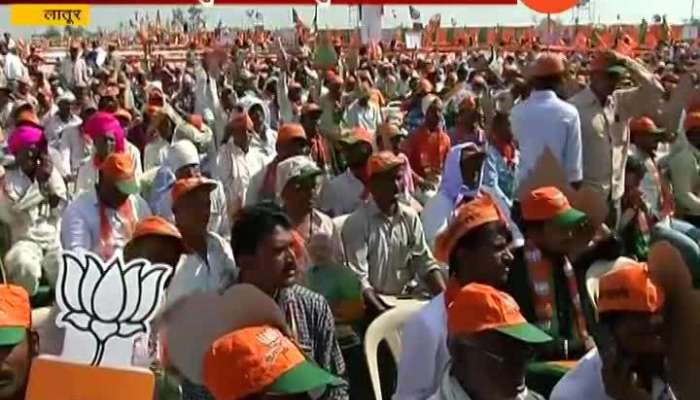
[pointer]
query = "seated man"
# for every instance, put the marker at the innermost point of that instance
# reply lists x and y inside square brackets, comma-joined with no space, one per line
[208,265]
[241,365]
[103,219]
[19,344]
[384,241]
[683,164]
[156,240]
[543,281]
[183,162]
[32,200]
[490,345]
[267,252]
[476,246]
[630,360]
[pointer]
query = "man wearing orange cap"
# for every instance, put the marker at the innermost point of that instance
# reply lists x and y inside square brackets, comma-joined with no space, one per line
[384,240]
[545,121]
[103,219]
[683,165]
[543,280]
[476,246]
[346,192]
[156,240]
[259,362]
[208,265]
[320,148]
[237,162]
[490,345]
[604,111]
[630,360]
[19,343]
[468,124]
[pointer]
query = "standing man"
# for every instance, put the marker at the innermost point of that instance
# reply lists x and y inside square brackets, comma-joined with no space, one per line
[545,121]
[605,112]
[265,249]
[74,69]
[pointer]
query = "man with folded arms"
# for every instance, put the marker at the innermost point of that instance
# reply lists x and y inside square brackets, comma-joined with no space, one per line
[490,345]
[630,360]
[260,363]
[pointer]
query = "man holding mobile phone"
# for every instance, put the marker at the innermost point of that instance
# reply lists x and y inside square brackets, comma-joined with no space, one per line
[630,360]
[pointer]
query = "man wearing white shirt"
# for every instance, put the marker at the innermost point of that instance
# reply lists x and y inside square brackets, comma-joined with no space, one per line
[74,69]
[156,151]
[64,121]
[476,247]
[209,265]
[363,112]
[630,361]
[103,219]
[544,121]
[14,68]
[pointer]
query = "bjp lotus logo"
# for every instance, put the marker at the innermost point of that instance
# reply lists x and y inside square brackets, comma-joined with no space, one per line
[110,301]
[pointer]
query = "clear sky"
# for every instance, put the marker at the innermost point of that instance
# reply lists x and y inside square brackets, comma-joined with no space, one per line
[339,16]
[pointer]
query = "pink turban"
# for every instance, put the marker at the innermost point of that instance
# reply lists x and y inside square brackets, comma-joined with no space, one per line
[24,137]
[100,124]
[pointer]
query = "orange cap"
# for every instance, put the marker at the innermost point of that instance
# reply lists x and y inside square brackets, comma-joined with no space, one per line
[468,103]
[259,360]
[197,121]
[186,185]
[242,121]
[549,203]
[289,132]
[471,215]
[478,308]
[643,125]
[549,64]
[27,116]
[358,134]
[155,225]
[119,168]
[603,61]
[381,162]
[692,120]
[15,314]
[629,288]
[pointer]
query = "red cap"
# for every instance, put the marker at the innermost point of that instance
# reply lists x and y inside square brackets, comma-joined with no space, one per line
[549,64]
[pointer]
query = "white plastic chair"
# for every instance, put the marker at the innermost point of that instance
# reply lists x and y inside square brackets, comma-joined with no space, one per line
[387,327]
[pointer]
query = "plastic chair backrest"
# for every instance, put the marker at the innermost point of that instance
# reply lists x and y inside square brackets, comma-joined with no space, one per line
[386,327]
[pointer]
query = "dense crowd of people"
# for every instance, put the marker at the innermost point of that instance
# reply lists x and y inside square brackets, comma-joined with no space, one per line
[545,206]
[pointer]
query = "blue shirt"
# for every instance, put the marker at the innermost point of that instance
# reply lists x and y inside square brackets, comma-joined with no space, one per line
[544,120]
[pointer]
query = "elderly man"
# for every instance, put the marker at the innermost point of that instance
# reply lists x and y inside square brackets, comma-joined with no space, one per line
[476,246]
[74,69]
[62,131]
[164,122]
[102,219]
[237,163]
[630,361]
[384,241]
[155,240]
[267,253]
[363,112]
[683,165]
[490,345]
[544,121]
[33,198]
[604,112]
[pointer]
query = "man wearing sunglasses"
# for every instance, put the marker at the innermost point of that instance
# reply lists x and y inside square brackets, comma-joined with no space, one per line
[490,345]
